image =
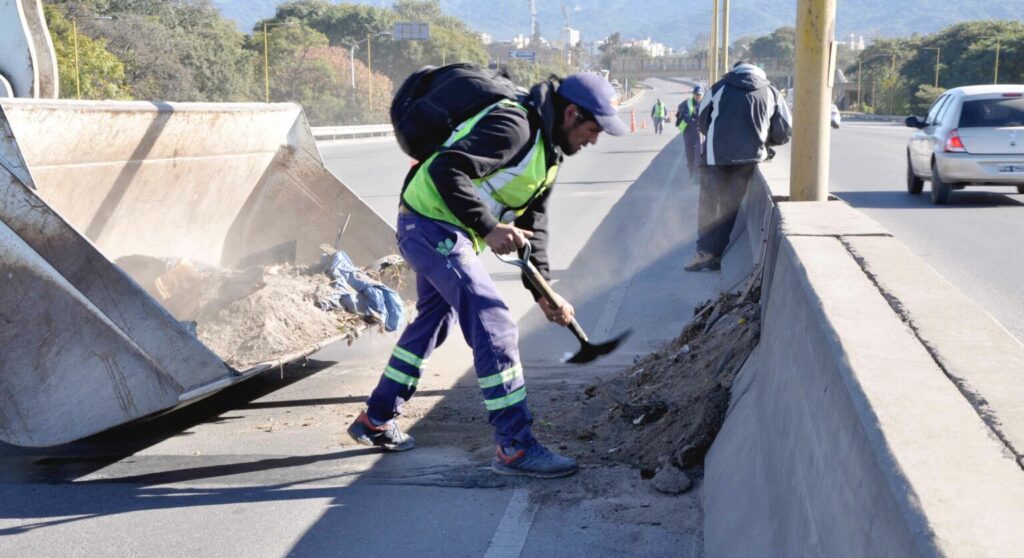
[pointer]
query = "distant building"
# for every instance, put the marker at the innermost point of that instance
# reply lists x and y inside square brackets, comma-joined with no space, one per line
[570,37]
[650,48]
[485,39]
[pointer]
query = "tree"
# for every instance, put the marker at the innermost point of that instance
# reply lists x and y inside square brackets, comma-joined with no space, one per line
[779,47]
[102,73]
[304,68]
[178,50]
[346,24]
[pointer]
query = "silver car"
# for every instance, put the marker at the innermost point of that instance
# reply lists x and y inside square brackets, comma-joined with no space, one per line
[972,136]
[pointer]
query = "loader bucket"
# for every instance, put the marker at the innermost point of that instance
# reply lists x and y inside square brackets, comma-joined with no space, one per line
[82,346]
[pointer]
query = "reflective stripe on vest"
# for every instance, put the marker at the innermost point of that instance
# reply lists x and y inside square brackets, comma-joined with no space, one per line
[689,112]
[507,192]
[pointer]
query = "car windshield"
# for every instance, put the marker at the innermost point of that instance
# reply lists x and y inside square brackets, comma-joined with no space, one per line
[992,113]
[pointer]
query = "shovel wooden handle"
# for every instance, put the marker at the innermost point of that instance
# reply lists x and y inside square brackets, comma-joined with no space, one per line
[538,281]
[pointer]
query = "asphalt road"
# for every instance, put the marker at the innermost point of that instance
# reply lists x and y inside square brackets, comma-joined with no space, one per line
[264,469]
[973,242]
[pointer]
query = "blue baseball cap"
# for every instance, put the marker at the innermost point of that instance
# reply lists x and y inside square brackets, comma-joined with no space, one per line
[593,93]
[698,89]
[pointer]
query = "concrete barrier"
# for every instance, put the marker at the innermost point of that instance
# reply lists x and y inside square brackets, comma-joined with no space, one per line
[864,424]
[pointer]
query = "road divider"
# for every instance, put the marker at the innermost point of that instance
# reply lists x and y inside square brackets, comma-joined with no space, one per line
[880,413]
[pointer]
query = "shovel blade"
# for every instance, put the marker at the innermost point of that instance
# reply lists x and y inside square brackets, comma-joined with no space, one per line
[590,351]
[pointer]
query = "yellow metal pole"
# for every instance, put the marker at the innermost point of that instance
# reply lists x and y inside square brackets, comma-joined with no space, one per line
[369,70]
[266,66]
[78,72]
[815,34]
[725,37]
[713,51]
[996,78]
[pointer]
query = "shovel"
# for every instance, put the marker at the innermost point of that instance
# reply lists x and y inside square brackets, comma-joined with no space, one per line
[588,351]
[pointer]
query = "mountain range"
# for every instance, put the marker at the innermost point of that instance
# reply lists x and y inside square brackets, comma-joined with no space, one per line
[681,23]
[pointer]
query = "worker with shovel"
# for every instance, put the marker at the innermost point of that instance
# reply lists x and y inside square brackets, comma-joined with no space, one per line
[488,186]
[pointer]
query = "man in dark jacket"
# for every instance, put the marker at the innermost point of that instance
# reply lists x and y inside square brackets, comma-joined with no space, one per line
[688,122]
[488,186]
[741,117]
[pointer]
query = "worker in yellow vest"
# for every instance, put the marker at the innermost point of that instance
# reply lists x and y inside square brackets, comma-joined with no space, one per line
[687,120]
[659,114]
[486,187]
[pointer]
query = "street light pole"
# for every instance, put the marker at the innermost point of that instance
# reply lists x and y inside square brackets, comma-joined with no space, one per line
[713,51]
[937,50]
[860,100]
[815,35]
[78,71]
[995,79]
[725,37]
[352,63]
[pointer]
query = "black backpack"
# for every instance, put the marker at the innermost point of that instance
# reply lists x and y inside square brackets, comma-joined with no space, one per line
[433,101]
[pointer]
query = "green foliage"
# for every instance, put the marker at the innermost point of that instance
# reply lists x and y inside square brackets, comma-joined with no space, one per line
[101,73]
[926,95]
[778,47]
[901,72]
[347,24]
[177,50]
[304,68]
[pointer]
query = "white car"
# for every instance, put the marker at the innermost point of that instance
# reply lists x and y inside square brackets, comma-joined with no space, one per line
[972,136]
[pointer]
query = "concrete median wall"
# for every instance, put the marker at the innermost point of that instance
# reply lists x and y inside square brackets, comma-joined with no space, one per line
[862,426]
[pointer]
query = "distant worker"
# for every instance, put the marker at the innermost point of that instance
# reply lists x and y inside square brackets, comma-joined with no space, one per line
[489,187]
[688,122]
[659,114]
[741,118]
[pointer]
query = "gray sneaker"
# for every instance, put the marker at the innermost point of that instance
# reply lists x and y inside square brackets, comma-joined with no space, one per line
[386,436]
[534,461]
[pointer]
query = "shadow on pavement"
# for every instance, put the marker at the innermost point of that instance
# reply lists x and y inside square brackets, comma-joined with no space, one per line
[658,293]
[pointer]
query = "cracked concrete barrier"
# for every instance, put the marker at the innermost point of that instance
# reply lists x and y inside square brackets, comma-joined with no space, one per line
[82,346]
[861,426]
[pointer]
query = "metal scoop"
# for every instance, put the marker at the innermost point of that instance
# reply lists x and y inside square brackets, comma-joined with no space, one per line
[588,351]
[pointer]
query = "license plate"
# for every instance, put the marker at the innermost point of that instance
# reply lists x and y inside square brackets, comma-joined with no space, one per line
[1011,168]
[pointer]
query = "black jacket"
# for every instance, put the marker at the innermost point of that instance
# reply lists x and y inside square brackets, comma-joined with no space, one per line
[500,139]
[740,116]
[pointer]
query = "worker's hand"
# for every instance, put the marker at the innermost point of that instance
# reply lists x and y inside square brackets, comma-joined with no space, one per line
[561,314]
[505,239]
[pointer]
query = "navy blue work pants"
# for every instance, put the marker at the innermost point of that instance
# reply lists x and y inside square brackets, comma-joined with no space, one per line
[453,287]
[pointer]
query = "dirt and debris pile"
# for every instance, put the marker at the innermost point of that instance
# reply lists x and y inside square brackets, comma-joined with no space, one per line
[667,409]
[258,314]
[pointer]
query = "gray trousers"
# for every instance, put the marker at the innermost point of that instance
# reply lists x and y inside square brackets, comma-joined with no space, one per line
[721,190]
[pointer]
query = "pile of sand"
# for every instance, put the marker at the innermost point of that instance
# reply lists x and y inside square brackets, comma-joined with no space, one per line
[260,314]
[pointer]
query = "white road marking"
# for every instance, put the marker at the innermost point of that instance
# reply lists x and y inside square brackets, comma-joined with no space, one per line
[510,536]
[610,311]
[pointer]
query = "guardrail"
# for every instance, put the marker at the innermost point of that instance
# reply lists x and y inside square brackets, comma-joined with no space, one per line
[861,117]
[328,133]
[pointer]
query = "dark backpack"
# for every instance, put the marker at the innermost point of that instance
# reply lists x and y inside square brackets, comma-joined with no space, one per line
[433,101]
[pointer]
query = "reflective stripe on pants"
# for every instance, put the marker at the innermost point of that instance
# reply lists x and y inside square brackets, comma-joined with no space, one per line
[453,286]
